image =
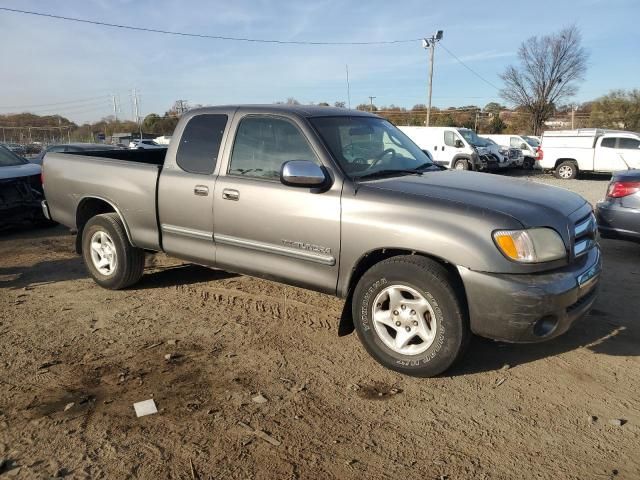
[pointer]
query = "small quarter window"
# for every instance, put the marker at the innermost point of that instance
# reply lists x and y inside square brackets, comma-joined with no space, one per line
[200,143]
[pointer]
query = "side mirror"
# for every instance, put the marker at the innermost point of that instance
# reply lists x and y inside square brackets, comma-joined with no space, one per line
[459,144]
[302,173]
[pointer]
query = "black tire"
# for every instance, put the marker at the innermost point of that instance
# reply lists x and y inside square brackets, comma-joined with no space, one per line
[528,163]
[439,288]
[130,260]
[567,170]
[461,165]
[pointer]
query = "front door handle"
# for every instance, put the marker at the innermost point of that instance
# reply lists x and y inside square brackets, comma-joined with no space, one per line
[201,190]
[230,194]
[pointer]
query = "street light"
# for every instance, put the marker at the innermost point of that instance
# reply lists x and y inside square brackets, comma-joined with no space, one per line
[430,43]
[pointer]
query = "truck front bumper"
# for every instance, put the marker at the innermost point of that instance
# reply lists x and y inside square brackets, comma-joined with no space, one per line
[533,307]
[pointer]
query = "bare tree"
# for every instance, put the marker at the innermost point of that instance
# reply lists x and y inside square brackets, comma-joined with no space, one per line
[550,68]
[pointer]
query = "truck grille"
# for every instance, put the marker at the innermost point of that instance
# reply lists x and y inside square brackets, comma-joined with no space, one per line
[514,153]
[584,235]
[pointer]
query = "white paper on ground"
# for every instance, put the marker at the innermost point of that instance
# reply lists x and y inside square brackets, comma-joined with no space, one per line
[146,407]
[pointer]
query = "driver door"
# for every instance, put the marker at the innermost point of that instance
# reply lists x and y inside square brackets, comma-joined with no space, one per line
[265,228]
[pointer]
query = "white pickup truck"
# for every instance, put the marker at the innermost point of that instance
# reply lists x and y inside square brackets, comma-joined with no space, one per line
[568,152]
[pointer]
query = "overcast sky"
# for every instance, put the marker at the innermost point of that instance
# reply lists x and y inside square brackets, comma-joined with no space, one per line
[78,66]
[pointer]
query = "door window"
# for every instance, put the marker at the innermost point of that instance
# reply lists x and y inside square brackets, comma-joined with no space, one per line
[263,144]
[609,142]
[450,139]
[200,143]
[515,142]
[628,143]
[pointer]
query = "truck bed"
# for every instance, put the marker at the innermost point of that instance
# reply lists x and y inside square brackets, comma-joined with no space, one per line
[126,178]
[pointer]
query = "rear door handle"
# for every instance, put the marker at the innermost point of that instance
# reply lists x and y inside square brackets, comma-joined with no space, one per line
[230,194]
[201,190]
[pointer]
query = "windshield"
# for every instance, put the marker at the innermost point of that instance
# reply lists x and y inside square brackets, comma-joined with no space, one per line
[10,159]
[471,137]
[366,145]
[532,141]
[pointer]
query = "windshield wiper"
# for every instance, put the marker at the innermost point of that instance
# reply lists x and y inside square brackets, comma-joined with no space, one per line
[419,170]
[388,172]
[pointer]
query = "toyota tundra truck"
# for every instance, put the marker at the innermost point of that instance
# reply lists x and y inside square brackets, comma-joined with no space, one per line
[340,202]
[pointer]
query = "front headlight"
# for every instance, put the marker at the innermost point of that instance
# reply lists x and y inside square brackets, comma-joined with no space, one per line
[535,245]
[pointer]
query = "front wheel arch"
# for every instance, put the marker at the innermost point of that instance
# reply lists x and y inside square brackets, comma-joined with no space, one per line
[372,258]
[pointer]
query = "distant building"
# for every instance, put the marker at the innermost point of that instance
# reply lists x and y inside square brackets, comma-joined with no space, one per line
[125,138]
[557,123]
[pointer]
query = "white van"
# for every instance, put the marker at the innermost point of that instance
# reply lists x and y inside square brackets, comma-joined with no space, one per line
[458,148]
[528,146]
[568,152]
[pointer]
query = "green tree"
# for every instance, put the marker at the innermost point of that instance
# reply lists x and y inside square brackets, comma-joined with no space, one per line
[494,107]
[617,109]
[496,125]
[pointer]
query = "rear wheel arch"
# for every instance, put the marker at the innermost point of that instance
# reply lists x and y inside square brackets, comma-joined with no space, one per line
[374,257]
[88,208]
[562,160]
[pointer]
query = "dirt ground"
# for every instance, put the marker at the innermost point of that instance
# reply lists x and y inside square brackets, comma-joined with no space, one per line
[74,358]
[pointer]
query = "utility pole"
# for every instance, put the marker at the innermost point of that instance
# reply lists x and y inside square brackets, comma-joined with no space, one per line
[573,116]
[137,109]
[115,107]
[430,43]
[371,103]
[348,89]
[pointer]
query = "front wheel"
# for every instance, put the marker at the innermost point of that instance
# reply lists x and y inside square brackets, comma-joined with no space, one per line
[109,256]
[410,317]
[461,165]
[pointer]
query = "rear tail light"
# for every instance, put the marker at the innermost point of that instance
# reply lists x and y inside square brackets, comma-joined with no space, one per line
[622,189]
[539,153]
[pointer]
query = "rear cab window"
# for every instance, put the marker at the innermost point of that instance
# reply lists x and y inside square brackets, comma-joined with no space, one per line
[200,143]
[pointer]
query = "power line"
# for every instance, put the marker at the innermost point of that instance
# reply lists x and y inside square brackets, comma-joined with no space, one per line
[468,67]
[199,35]
[84,100]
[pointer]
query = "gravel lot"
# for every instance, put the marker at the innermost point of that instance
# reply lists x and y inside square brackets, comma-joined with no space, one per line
[258,385]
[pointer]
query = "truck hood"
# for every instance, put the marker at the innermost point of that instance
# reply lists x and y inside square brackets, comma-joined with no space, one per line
[532,204]
[16,171]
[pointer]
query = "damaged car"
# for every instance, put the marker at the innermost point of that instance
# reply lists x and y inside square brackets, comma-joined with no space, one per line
[21,192]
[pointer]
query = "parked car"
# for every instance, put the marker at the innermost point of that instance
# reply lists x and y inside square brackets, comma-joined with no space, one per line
[529,152]
[341,202]
[618,214]
[145,145]
[457,148]
[568,152]
[20,191]
[510,156]
[71,147]
[16,148]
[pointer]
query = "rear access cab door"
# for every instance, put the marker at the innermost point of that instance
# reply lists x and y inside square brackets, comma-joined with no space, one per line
[268,229]
[187,183]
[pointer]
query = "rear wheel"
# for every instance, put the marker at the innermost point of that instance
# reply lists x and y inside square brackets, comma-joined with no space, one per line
[409,315]
[566,170]
[109,256]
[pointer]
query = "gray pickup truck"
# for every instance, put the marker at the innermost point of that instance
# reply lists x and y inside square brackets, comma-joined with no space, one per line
[340,202]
